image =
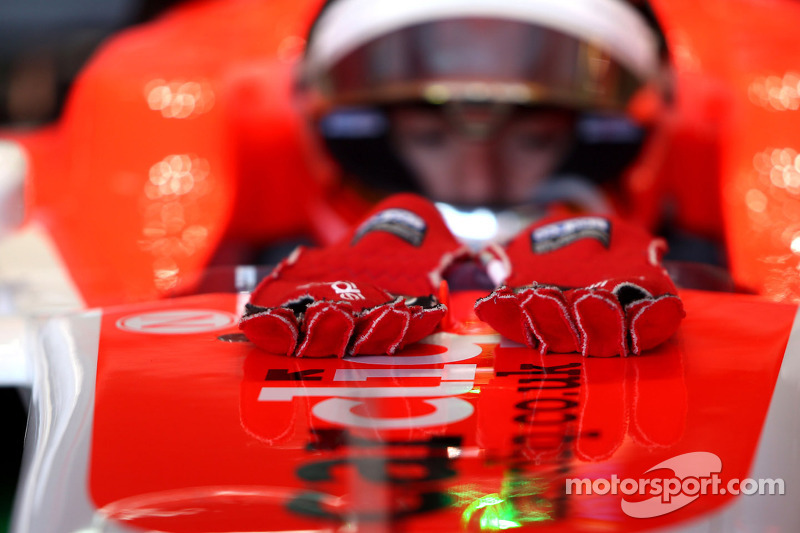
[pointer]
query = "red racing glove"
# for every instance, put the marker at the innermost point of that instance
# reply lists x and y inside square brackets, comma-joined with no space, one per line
[371,293]
[593,285]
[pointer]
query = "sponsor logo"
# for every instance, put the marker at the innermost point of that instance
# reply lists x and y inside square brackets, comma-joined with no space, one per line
[347,290]
[387,422]
[177,322]
[399,222]
[358,412]
[559,234]
[695,474]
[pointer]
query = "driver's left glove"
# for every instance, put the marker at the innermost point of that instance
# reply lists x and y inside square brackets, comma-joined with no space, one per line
[589,284]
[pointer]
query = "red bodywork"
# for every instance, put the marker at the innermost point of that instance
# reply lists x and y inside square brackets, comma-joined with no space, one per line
[195,434]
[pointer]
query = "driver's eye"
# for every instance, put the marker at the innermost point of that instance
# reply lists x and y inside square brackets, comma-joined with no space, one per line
[427,138]
[535,141]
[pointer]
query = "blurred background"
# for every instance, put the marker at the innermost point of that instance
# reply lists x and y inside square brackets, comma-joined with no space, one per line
[44,44]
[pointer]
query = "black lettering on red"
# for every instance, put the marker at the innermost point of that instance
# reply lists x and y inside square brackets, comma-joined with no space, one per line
[570,382]
[283,374]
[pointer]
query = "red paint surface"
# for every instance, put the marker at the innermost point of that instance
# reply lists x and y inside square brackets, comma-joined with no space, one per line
[181,442]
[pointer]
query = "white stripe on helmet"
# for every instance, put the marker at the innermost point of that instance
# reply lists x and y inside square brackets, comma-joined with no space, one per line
[612,25]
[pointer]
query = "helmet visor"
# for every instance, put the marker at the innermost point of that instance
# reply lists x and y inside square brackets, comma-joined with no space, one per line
[476,59]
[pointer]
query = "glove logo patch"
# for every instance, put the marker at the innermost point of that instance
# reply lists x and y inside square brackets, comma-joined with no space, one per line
[347,291]
[399,222]
[559,234]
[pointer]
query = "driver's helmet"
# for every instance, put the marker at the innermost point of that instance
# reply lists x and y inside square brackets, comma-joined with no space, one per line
[421,95]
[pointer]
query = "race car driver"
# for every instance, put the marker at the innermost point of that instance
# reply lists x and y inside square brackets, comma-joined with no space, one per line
[495,110]
[475,105]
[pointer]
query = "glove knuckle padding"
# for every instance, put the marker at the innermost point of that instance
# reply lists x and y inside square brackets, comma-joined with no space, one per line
[601,322]
[589,284]
[502,310]
[326,329]
[548,317]
[275,330]
[381,328]
[349,298]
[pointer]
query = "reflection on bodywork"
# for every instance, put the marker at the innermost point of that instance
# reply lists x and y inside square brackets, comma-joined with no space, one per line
[776,93]
[518,502]
[178,99]
[169,207]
